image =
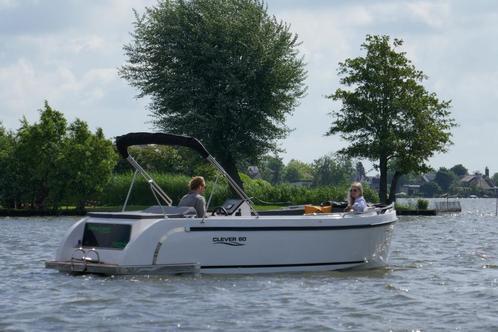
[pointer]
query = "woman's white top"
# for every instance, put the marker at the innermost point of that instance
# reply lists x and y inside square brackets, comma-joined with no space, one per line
[360,205]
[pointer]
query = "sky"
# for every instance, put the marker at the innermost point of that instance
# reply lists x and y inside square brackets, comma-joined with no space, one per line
[68,52]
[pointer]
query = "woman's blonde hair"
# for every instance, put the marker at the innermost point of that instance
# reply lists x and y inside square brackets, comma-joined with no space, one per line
[358,186]
[196,182]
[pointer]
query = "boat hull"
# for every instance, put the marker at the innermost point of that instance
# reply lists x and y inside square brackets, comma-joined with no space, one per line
[233,245]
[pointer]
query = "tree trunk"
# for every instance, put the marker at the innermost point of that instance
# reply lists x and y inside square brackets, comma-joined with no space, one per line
[80,206]
[383,179]
[40,198]
[10,204]
[394,186]
[231,168]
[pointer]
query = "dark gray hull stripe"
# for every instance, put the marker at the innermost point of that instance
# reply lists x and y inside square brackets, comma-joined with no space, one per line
[284,228]
[277,265]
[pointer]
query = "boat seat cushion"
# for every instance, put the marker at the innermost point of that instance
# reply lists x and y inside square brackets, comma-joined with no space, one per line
[172,211]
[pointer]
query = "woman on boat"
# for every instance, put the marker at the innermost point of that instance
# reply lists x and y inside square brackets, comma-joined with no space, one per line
[194,198]
[356,202]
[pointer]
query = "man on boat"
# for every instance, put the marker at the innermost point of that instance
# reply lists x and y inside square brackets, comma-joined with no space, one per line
[194,198]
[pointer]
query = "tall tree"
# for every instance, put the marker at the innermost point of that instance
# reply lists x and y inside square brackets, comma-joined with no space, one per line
[495,179]
[88,163]
[430,189]
[224,71]
[38,152]
[272,168]
[360,172]
[155,158]
[297,170]
[7,180]
[445,178]
[387,115]
[459,170]
[332,171]
[48,162]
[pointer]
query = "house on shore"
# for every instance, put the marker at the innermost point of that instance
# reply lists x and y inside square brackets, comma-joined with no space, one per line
[411,189]
[478,181]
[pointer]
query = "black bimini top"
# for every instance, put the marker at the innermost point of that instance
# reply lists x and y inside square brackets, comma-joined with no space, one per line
[125,141]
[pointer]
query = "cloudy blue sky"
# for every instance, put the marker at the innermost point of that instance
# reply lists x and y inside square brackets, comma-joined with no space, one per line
[68,52]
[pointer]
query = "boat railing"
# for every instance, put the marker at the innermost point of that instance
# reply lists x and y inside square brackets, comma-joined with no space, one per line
[156,190]
[375,209]
[384,209]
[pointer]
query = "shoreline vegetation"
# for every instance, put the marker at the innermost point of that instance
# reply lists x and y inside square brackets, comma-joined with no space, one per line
[50,165]
[54,168]
[68,170]
[265,195]
[241,92]
[73,211]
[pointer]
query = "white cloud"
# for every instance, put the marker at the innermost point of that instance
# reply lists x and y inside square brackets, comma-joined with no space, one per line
[449,43]
[7,4]
[16,88]
[74,68]
[434,14]
[96,95]
[68,52]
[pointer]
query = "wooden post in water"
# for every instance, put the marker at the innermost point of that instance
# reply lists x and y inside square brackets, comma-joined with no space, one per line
[496,194]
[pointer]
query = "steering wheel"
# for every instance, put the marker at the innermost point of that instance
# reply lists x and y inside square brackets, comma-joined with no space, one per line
[220,210]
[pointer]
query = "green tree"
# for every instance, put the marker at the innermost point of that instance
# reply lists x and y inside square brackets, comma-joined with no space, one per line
[297,170]
[430,189]
[445,178]
[7,198]
[225,72]
[48,162]
[272,168]
[155,158]
[459,170]
[361,174]
[38,155]
[332,171]
[387,115]
[495,179]
[88,163]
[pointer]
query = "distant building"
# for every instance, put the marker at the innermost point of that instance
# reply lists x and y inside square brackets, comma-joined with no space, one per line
[428,177]
[253,172]
[477,180]
[411,189]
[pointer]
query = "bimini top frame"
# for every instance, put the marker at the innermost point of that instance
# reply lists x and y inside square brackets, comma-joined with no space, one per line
[141,138]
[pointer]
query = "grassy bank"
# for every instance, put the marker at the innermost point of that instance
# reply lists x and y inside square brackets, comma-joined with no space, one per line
[71,211]
[265,195]
[261,191]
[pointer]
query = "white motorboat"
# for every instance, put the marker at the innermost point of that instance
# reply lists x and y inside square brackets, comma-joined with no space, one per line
[165,239]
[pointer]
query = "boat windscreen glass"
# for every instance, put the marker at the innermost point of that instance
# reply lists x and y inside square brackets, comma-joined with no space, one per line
[108,236]
[232,204]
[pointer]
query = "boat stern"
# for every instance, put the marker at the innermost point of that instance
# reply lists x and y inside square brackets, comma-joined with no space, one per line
[100,243]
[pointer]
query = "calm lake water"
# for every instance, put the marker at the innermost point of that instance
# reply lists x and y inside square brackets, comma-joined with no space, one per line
[443,275]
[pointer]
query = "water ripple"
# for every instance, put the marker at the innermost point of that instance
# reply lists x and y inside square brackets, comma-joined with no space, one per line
[443,275]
